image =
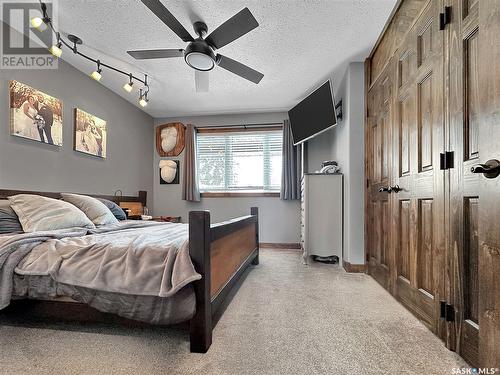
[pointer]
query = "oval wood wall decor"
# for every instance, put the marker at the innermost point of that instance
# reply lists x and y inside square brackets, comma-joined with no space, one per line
[179,146]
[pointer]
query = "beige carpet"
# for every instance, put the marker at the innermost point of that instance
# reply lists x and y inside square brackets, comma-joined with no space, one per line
[286,319]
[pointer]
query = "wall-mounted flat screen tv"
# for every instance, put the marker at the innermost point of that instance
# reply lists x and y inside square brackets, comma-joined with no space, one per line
[313,115]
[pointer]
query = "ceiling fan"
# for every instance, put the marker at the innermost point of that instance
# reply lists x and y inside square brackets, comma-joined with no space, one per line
[200,52]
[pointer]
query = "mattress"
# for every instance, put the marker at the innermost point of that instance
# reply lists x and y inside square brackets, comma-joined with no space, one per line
[150,309]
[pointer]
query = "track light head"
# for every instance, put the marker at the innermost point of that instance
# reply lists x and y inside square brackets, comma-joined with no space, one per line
[96,74]
[36,22]
[128,86]
[143,99]
[56,49]
[39,23]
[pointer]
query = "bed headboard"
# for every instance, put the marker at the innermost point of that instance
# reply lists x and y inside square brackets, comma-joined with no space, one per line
[141,198]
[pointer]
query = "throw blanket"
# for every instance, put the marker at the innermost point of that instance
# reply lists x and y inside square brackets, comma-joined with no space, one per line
[139,258]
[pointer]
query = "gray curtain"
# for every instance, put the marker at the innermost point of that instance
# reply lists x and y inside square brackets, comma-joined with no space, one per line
[190,190]
[292,166]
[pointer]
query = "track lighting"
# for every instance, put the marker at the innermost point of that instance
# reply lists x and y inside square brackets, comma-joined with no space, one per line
[128,86]
[36,22]
[39,23]
[56,48]
[96,74]
[143,98]
[72,42]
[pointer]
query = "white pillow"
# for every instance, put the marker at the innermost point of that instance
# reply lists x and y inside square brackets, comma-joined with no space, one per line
[37,213]
[95,210]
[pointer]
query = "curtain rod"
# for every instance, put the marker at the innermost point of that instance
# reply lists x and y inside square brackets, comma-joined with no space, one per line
[239,125]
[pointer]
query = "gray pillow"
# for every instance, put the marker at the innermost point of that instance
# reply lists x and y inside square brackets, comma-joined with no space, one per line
[9,222]
[114,208]
[95,210]
[37,213]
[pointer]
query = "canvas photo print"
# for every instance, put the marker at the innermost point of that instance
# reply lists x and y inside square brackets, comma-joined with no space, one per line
[90,134]
[35,115]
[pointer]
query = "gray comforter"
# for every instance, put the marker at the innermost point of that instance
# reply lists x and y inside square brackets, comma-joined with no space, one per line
[129,258]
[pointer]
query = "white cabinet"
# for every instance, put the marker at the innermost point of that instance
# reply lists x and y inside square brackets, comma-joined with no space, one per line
[321,215]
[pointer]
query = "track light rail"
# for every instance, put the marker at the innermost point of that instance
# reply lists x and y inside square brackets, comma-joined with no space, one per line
[73,42]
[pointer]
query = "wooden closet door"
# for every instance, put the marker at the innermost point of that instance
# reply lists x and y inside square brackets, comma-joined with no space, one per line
[418,209]
[474,198]
[378,171]
[464,89]
[489,190]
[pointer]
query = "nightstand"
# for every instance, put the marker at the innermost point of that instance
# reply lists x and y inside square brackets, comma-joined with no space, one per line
[167,219]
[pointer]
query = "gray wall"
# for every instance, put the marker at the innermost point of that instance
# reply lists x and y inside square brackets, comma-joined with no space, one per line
[355,203]
[345,144]
[279,220]
[27,164]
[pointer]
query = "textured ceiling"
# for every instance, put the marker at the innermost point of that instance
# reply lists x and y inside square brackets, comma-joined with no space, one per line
[297,45]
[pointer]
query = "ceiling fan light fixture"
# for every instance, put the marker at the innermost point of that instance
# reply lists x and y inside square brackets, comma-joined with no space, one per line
[200,56]
[200,61]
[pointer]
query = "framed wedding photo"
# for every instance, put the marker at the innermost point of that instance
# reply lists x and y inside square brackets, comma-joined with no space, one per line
[35,115]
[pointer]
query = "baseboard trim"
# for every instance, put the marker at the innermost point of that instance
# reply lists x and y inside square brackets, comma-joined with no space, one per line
[272,245]
[353,268]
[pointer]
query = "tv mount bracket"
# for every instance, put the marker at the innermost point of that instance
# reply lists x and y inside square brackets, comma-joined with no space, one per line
[338,109]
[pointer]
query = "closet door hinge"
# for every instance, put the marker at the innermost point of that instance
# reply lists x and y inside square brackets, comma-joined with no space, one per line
[445,17]
[446,160]
[447,311]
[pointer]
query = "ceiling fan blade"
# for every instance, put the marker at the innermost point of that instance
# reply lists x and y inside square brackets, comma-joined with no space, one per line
[201,80]
[239,69]
[168,19]
[156,53]
[235,27]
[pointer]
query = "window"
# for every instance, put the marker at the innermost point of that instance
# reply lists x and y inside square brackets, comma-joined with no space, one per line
[239,161]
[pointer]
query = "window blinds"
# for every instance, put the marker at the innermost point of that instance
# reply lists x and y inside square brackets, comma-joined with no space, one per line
[236,161]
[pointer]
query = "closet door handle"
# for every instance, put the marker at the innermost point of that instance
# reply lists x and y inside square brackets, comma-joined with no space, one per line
[490,169]
[395,189]
[385,188]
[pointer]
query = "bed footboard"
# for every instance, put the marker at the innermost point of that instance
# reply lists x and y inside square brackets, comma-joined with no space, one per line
[220,253]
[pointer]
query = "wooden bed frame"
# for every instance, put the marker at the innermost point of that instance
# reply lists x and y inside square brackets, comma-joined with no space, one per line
[220,252]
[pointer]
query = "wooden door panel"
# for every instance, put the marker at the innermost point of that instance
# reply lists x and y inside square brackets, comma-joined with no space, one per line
[471,261]
[424,142]
[406,110]
[424,43]
[444,226]
[380,170]
[464,128]
[377,152]
[489,189]
[425,247]
[419,206]
[471,100]
[405,67]
[403,262]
